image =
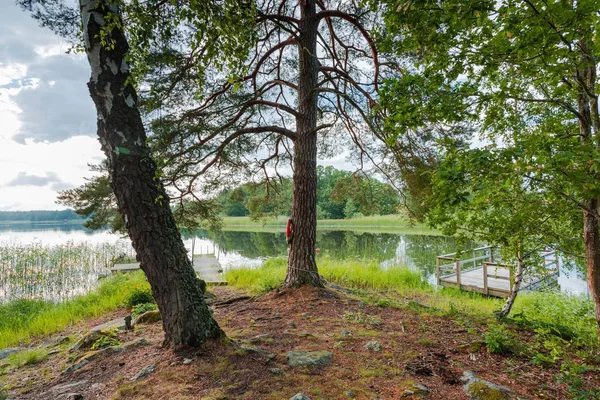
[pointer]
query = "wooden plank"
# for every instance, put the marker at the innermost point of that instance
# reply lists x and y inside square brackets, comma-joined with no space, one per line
[206,266]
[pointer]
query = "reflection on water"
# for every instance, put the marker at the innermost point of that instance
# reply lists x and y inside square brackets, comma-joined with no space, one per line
[235,249]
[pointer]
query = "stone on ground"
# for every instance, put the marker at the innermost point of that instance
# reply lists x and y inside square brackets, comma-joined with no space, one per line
[318,358]
[299,396]
[373,345]
[144,372]
[147,318]
[480,389]
[8,351]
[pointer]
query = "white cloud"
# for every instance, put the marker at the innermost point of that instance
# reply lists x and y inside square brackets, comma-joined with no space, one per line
[47,135]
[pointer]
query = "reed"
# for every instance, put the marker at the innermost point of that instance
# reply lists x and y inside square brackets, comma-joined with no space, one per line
[56,272]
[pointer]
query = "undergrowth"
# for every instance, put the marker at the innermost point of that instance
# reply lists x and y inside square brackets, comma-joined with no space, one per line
[549,315]
[21,320]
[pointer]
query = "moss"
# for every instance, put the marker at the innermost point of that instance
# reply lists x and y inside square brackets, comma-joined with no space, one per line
[482,391]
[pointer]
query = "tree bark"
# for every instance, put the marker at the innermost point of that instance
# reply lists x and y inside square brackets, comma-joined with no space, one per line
[514,290]
[591,238]
[302,266]
[141,198]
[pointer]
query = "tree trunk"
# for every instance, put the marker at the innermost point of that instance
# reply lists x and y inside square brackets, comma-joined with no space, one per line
[141,198]
[302,266]
[591,238]
[514,290]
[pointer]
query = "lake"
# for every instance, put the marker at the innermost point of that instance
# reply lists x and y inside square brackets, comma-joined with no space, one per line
[236,249]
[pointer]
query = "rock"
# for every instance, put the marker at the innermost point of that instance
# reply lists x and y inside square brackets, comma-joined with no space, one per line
[276,316]
[350,393]
[256,350]
[75,367]
[147,318]
[292,325]
[67,387]
[480,389]
[144,372]
[118,323]
[57,341]
[346,332]
[87,340]
[417,387]
[276,371]
[261,338]
[318,358]
[8,351]
[71,396]
[373,345]
[132,344]
[187,361]
[304,315]
[299,396]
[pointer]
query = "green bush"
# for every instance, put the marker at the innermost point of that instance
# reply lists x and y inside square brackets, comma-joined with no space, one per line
[500,341]
[139,295]
[139,309]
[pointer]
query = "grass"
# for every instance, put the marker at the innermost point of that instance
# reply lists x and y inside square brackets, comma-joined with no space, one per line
[373,224]
[21,320]
[27,357]
[354,274]
[546,313]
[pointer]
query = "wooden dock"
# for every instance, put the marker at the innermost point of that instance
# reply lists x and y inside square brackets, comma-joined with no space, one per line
[481,274]
[206,266]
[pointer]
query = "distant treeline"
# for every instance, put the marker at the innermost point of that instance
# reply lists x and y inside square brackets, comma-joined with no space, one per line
[340,194]
[39,216]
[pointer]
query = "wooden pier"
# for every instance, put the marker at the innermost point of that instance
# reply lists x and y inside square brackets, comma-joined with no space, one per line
[480,273]
[206,266]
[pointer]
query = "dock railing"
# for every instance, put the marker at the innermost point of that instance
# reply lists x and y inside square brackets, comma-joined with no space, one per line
[449,268]
[456,265]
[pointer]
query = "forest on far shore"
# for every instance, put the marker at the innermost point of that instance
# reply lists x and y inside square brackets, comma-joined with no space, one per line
[340,194]
[36,216]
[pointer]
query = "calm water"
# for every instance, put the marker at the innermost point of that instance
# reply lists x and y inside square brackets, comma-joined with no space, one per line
[236,249]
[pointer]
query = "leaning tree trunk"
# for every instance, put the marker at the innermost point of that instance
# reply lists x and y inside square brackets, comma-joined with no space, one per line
[514,290]
[302,266]
[591,238]
[141,198]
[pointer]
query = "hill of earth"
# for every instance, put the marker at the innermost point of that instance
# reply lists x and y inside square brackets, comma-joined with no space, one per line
[306,343]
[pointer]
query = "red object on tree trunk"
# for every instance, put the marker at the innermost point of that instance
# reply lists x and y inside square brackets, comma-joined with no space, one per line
[288,230]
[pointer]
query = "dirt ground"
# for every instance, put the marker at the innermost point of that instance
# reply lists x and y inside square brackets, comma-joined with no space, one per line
[417,347]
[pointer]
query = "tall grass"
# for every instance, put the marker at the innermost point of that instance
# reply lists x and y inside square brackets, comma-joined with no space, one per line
[350,273]
[20,320]
[56,272]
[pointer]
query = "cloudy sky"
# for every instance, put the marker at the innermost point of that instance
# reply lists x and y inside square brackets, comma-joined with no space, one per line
[48,121]
[47,129]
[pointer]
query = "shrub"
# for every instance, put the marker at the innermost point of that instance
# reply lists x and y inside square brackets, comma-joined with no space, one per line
[500,341]
[142,308]
[139,295]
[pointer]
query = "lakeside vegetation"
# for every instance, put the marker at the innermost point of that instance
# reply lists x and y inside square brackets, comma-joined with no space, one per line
[67,216]
[393,223]
[567,317]
[21,320]
[55,272]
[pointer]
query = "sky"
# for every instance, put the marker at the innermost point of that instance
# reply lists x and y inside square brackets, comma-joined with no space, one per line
[48,121]
[47,118]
